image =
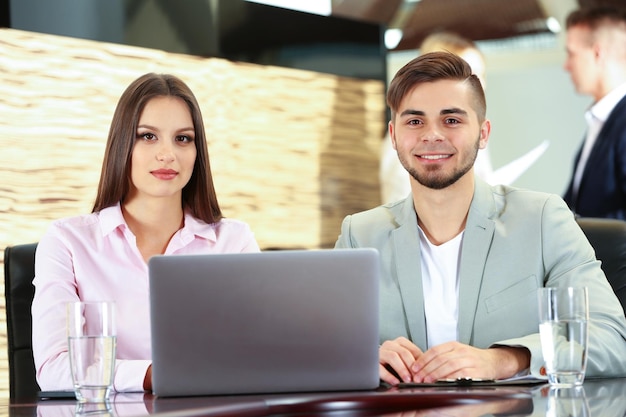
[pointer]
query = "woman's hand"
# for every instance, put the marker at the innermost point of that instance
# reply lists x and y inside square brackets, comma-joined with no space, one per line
[147,380]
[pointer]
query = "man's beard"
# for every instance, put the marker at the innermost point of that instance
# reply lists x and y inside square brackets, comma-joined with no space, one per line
[435,178]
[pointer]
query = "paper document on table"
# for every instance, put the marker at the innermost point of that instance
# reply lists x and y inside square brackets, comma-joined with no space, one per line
[514,169]
[469,382]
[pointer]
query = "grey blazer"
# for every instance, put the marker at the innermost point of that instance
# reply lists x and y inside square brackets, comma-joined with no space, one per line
[515,242]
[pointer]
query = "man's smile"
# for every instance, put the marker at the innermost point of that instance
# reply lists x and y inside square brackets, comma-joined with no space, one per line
[435,157]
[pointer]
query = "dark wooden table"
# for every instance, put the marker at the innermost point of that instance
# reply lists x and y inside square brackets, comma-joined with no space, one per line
[605,397]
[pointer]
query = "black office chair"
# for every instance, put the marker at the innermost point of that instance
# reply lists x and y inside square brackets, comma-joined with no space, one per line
[19,271]
[608,238]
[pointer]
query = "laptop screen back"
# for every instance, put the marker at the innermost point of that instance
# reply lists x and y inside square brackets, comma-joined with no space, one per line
[281,321]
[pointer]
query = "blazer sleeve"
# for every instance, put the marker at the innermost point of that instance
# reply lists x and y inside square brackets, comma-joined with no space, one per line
[569,261]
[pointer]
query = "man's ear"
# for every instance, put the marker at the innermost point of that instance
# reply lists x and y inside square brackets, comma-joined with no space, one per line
[392,135]
[598,49]
[485,131]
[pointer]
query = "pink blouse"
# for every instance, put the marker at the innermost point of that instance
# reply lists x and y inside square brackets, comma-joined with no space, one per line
[95,257]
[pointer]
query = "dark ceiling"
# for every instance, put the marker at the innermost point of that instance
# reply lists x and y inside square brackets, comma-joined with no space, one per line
[475,19]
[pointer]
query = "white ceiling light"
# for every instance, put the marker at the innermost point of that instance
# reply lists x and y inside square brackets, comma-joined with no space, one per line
[553,24]
[392,38]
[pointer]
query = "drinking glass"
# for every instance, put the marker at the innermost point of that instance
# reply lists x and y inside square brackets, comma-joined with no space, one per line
[91,346]
[563,329]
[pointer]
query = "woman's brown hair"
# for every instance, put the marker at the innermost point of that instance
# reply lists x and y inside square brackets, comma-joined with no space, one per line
[199,196]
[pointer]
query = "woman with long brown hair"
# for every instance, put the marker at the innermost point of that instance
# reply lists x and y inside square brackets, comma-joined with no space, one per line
[155,196]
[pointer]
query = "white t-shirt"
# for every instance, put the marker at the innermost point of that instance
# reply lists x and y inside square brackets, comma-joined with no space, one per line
[440,281]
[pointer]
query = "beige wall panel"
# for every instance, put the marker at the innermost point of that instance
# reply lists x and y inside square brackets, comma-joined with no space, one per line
[292,152]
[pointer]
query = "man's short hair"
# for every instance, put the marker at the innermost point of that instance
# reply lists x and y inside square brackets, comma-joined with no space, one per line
[594,17]
[430,67]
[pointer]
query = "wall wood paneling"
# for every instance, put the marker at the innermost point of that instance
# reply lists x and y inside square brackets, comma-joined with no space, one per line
[292,151]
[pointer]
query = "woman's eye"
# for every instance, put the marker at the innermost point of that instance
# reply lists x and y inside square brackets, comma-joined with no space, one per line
[146,136]
[184,138]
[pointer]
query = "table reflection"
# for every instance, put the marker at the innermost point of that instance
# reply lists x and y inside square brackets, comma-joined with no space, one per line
[509,407]
[119,405]
[596,398]
[567,402]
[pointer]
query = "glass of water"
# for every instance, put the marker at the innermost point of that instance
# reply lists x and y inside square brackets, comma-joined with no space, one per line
[563,328]
[91,346]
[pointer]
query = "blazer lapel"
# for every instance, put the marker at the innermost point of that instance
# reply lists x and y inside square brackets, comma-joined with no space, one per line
[409,272]
[477,239]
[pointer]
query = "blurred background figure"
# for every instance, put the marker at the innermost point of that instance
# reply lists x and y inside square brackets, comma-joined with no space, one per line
[394,180]
[596,62]
[458,45]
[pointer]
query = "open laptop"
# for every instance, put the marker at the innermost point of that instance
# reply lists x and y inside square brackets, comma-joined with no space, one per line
[269,322]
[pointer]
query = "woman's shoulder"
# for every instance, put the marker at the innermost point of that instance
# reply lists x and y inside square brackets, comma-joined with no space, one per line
[221,228]
[232,235]
[228,224]
[111,214]
[69,232]
[223,223]
[84,225]
[77,221]
[233,222]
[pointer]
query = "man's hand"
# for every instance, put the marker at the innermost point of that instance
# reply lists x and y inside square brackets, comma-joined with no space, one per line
[456,360]
[399,355]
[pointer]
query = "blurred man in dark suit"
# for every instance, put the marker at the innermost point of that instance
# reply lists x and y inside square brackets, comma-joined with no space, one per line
[596,61]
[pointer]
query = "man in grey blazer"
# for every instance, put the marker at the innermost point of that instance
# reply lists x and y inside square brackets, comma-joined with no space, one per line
[461,261]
